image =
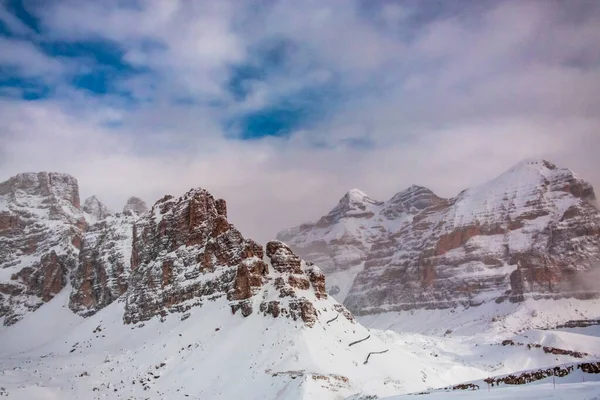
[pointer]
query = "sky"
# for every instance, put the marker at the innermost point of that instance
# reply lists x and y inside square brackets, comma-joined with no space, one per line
[281,107]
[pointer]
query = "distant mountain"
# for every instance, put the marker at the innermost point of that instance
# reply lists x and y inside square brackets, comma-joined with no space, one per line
[94,210]
[224,314]
[533,232]
[136,205]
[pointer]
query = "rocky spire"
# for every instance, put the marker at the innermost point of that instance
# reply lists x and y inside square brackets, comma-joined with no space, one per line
[95,210]
[136,205]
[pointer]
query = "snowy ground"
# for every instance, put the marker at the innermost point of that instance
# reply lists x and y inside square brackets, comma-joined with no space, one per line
[565,391]
[54,354]
[489,317]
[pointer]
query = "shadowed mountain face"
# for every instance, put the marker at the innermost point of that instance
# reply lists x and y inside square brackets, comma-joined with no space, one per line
[531,232]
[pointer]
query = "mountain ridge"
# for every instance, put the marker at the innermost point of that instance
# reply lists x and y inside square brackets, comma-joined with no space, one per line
[507,231]
[152,282]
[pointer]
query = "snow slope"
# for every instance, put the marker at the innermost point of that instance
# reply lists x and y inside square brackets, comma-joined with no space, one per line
[562,391]
[503,318]
[214,354]
[210,354]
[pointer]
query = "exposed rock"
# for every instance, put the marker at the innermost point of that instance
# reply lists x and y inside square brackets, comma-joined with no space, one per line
[135,205]
[308,312]
[271,308]
[41,226]
[299,282]
[531,232]
[282,258]
[94,210]
[180,255]
[344,311]
[102,274]
[184,253]
[250,277]
[317,280]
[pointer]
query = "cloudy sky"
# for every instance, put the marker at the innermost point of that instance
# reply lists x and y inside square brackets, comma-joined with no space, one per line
[280,107]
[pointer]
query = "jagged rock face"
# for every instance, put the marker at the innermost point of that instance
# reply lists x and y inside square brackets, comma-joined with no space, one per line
[185,252]
[135,205]
[102,274]
[532,232]
[293,283]
[41,226]
[180,254]
[94,210]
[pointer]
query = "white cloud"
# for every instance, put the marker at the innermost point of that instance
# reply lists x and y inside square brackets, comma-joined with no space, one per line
[456,102]
[28,59]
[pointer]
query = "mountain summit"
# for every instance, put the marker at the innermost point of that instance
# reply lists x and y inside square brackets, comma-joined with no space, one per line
[136,205]
[94,210]
[529,233]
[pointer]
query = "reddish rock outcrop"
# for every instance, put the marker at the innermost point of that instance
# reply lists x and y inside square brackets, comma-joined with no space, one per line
[250,277]
[41,227]
[282,258]
[181,254]
[317,280]
[103,270]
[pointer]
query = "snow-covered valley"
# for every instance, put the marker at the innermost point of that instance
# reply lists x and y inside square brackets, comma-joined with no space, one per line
[55,354]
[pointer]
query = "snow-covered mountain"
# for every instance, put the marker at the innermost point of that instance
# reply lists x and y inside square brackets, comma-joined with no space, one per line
[175,303]
[143,304]
[94,210]
[41,227]
[136,205]
[533,232]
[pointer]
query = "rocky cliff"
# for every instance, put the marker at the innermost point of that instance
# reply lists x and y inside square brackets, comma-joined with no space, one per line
[180,254]
[41,229]
[104,266]
[531,232]
[135,205]
[185,253]
[94,210]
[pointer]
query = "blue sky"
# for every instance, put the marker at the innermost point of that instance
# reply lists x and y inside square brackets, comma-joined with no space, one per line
[96,64]
[282,105]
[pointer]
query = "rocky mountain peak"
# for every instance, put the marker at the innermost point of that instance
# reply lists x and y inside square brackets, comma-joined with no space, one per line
[94,210]
[53,186]
[41,228]
[414,198]
[354,204]
[530,232]
[135,205]
[537,164]
[184,253]
[358,197]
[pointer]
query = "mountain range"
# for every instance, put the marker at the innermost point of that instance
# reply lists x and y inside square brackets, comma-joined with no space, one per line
[532,232]
[172,301]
